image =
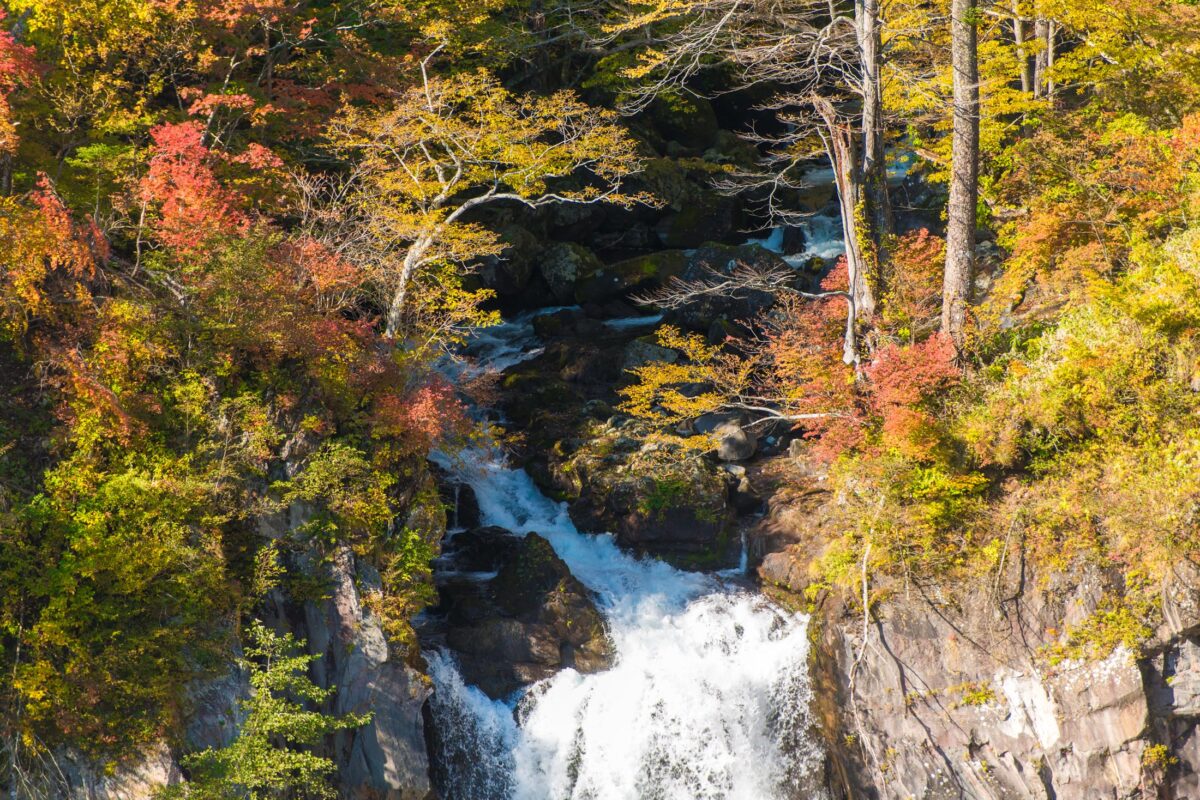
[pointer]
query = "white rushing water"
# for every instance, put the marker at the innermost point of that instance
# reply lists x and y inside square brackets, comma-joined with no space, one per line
[708,697]
[822,239]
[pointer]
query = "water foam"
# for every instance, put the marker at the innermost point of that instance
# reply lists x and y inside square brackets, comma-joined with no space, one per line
[708,697]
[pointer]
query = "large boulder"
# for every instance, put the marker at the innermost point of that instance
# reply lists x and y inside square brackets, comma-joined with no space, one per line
[630,276]
[734,441]
[530,620]
[641,352]
[562,264]
[508,273]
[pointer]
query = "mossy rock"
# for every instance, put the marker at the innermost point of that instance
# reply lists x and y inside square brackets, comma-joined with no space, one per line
[707,217]
[684,118]
[653,502]
[562,263]
[624,277]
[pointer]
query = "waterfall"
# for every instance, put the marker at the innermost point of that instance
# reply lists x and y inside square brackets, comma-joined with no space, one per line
[708,697]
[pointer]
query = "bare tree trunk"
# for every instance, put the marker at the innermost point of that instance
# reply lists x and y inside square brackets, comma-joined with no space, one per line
[395,314]
[6,174]
[1051,33]
[874,167]
[1041,34]
[1024,62]
[964,170]
[840,146]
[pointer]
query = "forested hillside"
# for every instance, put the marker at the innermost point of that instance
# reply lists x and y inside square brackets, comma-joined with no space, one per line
[898,302]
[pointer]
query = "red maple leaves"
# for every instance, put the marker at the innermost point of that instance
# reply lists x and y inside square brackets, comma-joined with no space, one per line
[192,203]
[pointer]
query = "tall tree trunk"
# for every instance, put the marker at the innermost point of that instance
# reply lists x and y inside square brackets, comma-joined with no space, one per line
[1051,34]
[874,166]
[839,144]
[964,170]
[6,174]
[1024,62]
[395,315]
[1041,35]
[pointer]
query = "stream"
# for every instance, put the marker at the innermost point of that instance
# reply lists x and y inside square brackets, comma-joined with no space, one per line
[709,693]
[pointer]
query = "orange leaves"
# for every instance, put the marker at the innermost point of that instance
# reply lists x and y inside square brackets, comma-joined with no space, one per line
[1089,192]
[16,64]
[332,280]
[903,383]
[421,419]
[912,303]
[909,375]
[47,259]
[193,205]
[885,405]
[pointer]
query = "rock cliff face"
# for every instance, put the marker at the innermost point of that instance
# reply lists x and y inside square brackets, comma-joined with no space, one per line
[386,759]
[957,698]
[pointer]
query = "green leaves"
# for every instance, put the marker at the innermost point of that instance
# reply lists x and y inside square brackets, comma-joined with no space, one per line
[129,594]
[268,758]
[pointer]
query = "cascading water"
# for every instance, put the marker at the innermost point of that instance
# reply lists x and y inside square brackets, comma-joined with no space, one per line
[822,239]
[823,236]
[708,697]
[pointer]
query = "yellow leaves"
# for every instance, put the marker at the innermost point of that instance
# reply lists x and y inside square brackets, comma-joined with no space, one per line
[452,144]
[653,12]
[692,346]
[704,380]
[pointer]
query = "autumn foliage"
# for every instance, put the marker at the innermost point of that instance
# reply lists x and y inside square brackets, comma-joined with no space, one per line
[194,346]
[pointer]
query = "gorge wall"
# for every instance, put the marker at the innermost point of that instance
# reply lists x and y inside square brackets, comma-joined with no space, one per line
[953,692]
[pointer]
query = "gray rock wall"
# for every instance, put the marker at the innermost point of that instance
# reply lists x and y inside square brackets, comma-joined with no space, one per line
[951,700]
[952,694]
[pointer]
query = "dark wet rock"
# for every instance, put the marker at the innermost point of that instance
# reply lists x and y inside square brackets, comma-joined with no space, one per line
[730,148]
[794,239]
[556,324]
[526,623]
[633,237]
[462,506]
[707,216]
[508,273]
[466,507]
[484,549]
[654,499]
[685,119]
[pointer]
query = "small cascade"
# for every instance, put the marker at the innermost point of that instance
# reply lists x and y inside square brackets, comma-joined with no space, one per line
[708,697]
[822,239]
